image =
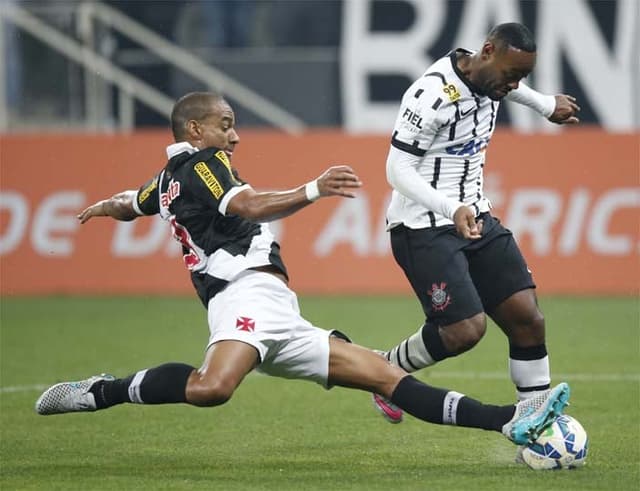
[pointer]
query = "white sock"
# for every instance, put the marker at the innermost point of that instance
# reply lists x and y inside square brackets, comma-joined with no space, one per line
[531,377]
[411,354]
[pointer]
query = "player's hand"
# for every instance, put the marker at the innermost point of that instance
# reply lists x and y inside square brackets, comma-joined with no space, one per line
[95,210]
[566,110]
[466,224]
[339,180]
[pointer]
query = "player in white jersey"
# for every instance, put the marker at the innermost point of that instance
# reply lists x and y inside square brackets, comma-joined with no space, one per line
[461,262]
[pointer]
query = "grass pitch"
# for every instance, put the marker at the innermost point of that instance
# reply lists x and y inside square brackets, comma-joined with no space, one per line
[279,434]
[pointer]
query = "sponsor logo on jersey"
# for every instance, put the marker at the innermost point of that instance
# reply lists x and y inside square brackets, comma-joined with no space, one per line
[146,192]
[469,148]
[412,118]
[452,91]
[173,191]
[222,157]
[440,299]
[209,179]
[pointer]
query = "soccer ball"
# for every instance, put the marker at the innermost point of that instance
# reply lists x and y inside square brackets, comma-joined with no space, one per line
[563,445]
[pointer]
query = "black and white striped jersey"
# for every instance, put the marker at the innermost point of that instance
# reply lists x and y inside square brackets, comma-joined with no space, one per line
[192,193]
[445,125]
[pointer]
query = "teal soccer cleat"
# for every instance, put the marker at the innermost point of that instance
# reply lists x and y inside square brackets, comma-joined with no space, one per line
[533,415]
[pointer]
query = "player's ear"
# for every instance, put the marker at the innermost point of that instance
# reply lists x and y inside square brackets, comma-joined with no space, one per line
[488,49]
[193,129]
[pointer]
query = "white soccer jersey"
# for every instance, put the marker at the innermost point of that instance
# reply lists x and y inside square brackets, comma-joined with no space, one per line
[442,130]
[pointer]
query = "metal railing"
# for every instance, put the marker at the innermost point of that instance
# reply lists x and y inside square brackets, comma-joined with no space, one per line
[131,88]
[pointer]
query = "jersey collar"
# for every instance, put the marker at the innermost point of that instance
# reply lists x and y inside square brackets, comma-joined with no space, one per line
[454,63]
[180,147]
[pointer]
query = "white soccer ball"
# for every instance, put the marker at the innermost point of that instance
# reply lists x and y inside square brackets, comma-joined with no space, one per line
[563,445]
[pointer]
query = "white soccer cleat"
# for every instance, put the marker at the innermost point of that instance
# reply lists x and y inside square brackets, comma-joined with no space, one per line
[69,397]
[533,415]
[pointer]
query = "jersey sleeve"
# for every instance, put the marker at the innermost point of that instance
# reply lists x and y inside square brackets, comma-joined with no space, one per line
[525,95]
[215,182]
[418,120]
[146,201]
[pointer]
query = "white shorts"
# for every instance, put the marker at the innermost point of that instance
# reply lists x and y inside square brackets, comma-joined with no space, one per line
[259,309]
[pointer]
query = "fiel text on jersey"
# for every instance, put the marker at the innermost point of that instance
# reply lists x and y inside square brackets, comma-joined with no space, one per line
[173,191]
[412,118]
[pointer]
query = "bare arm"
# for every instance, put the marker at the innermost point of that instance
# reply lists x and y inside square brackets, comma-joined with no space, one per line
[273,205]
[119,206]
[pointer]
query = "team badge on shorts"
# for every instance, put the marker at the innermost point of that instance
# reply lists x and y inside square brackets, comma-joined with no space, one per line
[440,299]
[245,324]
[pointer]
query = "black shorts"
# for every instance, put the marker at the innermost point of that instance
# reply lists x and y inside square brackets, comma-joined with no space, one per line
[456,278]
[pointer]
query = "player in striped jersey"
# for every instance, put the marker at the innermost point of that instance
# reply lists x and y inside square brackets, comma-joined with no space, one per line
[461,262]
[254,319]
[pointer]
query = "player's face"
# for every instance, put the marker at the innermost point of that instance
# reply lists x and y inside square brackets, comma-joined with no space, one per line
[503,69]
[218,129]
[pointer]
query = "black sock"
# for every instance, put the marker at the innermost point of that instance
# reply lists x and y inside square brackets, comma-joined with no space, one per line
[433,342]
[474,414]
[164,384]
[419,400]
[442,406]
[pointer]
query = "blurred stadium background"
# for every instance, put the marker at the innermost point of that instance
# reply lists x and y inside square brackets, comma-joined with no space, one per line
[117,64]
[86,88]
[312,82]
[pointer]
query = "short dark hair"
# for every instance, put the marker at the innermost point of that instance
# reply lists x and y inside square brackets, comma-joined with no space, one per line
[515,35]
[196,106]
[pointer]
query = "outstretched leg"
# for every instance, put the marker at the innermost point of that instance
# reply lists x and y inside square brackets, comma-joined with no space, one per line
[225,366]
[357,367]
